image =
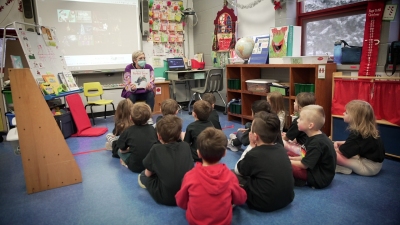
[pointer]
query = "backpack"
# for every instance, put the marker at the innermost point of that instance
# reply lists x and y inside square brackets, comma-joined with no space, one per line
[393,55]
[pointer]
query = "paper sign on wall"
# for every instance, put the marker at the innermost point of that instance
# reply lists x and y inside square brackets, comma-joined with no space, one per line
[321,71]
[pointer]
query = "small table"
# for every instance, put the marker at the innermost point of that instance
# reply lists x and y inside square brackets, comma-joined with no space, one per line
[186,75]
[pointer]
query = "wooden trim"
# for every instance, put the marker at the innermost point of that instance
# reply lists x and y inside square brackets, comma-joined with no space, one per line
[383,122]
[46,158]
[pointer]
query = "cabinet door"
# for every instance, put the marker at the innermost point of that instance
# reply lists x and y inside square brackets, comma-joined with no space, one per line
[161,93]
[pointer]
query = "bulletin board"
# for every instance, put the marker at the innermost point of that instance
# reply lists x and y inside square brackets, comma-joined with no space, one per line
[167,30]
[42,51]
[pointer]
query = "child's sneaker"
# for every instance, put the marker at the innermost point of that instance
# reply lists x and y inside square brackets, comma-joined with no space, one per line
[111,137]
[140,182]
[123,163]
[343,170]
[17,151]
[232,136]
[231,146]
[150,121]
[108,146]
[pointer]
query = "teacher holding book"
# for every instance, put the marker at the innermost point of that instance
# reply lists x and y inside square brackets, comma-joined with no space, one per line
[133,90]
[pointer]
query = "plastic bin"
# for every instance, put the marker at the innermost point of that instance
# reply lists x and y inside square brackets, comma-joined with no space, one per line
[8,97]
[66,124]
[281,89]
[317,59]
[197,65]
[160,71]
[303,88]
[234,84]
[259,85]
[10,116]
[235,108]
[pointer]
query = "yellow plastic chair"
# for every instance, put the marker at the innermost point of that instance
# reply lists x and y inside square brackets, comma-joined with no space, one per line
[94,89]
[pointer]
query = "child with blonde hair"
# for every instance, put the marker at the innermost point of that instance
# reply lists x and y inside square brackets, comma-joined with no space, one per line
[316,164]
[275,99]
[363,151]
[136,141]
[294,138]
[122,120]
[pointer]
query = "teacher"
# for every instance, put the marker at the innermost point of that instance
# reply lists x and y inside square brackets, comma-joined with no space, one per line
[131,92]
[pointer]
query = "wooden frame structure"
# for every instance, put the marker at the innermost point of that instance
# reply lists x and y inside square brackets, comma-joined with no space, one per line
[46,158]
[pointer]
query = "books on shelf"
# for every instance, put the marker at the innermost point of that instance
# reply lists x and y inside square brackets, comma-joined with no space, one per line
[51,80]
[69,80]
[260,50]
[140,77]
[285,41]
[16,61]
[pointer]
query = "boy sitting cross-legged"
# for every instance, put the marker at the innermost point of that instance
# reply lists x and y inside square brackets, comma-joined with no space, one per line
[201,112]
[265,171]
[317,162]
[213,118]
[209,190]
[168,107]
[166,163]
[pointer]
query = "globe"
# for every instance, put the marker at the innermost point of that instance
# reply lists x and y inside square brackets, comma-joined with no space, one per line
[244,48]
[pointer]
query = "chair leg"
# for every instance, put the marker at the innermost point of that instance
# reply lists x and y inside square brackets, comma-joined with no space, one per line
[105,111]
[225,112]
[190,102]
[198,94]
[91,113]
[113,108]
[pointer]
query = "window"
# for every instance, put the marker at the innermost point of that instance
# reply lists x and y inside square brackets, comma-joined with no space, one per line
[326,21]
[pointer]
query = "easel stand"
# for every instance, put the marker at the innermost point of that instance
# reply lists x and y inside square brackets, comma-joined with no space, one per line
[46,158]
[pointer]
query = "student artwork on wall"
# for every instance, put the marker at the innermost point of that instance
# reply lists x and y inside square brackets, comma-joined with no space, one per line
[166,20]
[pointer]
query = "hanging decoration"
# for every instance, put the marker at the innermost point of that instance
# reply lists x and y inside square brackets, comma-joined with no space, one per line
[278,4]
[8,2]
[240,6]
[224,39]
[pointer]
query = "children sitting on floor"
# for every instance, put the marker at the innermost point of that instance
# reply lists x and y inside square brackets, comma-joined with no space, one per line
[363,151]
[275,99]
[201,112]
[168,107]
[294,138]
[209,190]
[213,118]
[122,120]
[265,171]
[316,165]
[242,135]
[136,141]
[166,163]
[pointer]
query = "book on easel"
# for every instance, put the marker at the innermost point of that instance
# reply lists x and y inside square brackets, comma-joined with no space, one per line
[284,41]
[51,84]
[70,81]
[62,79]
[260,50]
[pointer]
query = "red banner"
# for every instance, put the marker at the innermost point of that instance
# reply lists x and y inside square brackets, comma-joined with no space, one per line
[372,34]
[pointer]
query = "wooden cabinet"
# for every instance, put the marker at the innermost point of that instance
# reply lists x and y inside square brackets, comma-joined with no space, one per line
[161,95]
[289,73]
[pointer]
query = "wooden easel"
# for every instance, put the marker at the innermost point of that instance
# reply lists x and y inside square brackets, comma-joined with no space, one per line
[46,158]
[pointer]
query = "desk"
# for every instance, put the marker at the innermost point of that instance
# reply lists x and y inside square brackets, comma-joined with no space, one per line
[188,75]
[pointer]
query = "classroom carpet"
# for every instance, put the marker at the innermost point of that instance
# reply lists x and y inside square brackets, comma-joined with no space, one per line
[110,194]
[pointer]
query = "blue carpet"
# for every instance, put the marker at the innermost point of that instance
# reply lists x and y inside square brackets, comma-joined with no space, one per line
[109,193]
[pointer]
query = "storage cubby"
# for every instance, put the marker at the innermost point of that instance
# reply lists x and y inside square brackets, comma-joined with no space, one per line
[290,73]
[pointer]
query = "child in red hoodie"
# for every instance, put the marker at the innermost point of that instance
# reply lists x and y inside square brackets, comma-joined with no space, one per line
[210,188]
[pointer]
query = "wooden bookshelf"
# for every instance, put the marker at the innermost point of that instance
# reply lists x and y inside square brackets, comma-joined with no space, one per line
[297,73]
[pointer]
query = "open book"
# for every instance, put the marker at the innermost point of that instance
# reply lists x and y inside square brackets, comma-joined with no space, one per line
[140,77]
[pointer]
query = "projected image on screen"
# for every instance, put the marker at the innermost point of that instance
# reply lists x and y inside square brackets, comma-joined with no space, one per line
[94,34]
